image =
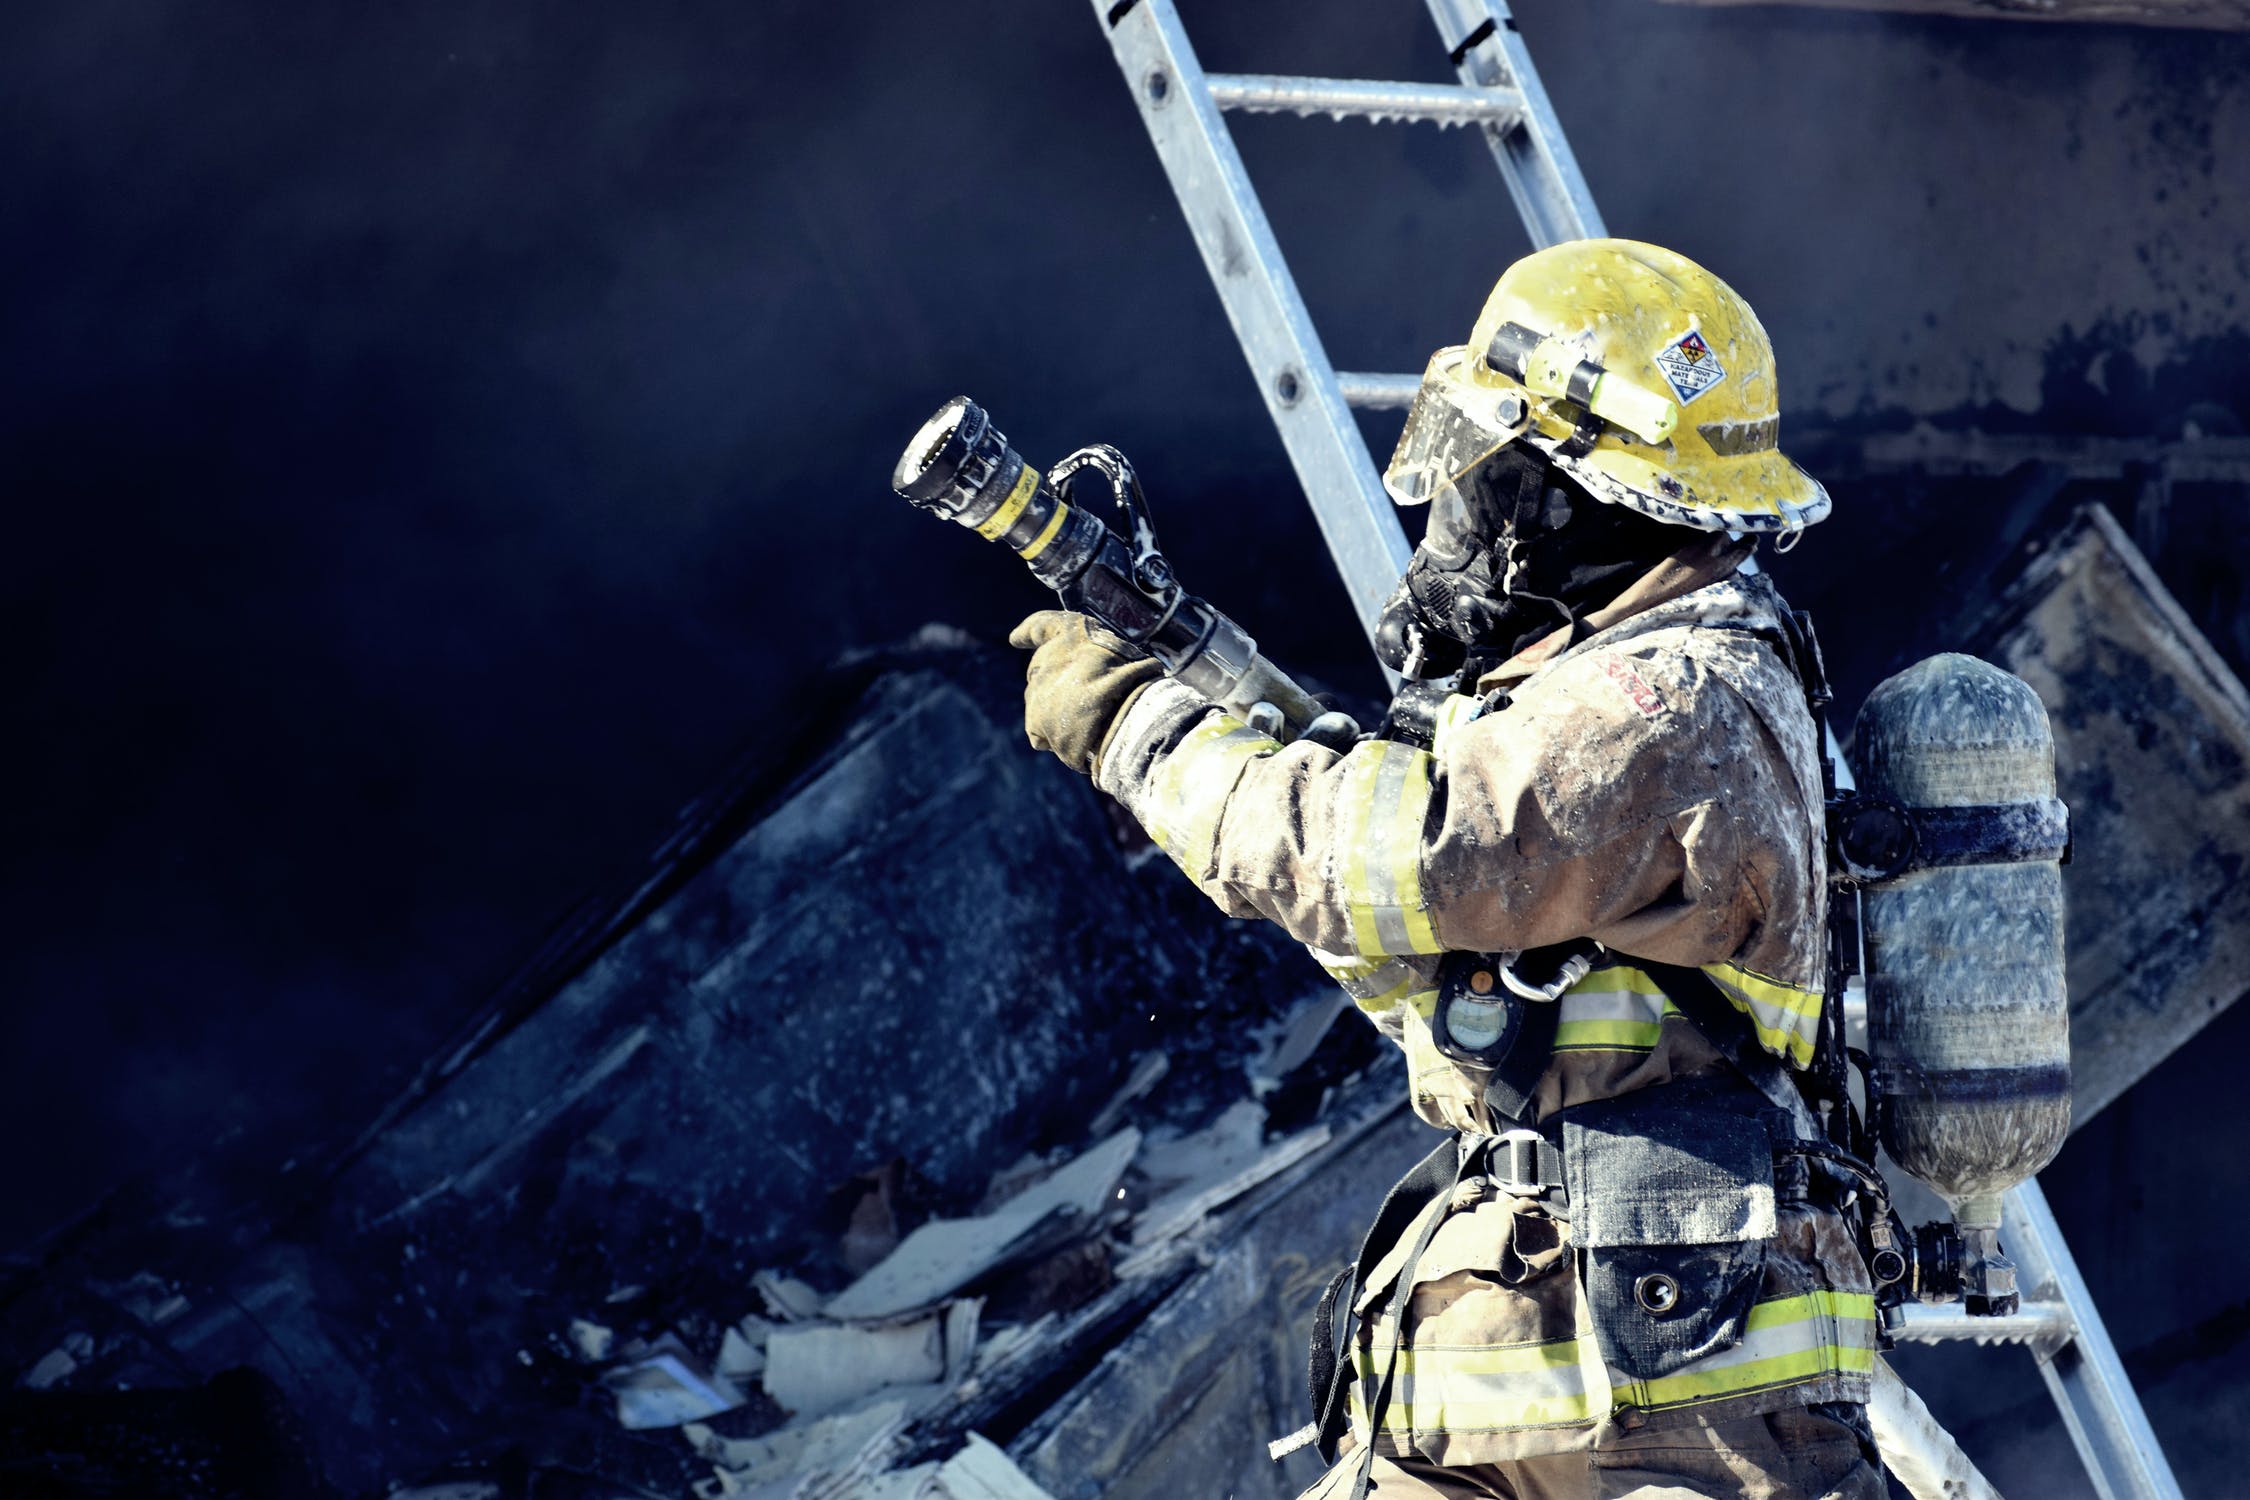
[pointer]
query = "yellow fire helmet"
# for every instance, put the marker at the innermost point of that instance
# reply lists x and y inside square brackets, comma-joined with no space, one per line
[1643,376]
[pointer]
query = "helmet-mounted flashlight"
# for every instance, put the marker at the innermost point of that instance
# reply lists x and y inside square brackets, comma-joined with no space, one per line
[1551,365]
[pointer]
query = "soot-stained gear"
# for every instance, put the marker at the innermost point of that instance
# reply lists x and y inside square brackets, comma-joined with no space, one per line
[1079,681]
[1579,801]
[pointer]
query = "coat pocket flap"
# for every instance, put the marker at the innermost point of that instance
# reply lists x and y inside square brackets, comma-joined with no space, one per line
[1649,1172]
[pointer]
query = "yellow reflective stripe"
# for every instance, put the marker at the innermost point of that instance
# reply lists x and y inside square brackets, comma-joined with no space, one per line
[1408,820]
[1786,1017]
[1495,1389]
[1784,1342]
[1608,1036]
[1019,497]
[1694,1388]
[1383,805]
[1855,1306]
[1500,1388]
[1366,978]
[1766,992]
[1378,984]
[1190,787]
[1613,1009]
[1038,544]
[1411,989]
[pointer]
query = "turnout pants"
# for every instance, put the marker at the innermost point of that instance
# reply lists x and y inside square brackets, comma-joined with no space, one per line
[1821,1452]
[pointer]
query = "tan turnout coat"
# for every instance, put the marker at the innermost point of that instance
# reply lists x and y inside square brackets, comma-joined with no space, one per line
[1657,787]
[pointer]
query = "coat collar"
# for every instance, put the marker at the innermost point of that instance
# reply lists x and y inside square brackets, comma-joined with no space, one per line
[1699,584]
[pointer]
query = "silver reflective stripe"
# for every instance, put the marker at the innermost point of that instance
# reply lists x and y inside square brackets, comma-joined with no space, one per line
[1785,1016]
[1613,1009]
[1481,1390]
[1368,979]
[1383,802]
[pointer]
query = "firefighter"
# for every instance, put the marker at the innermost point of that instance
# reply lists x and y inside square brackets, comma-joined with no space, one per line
[1590,910]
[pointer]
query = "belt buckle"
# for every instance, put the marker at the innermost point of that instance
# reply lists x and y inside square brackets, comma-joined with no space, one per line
[1515,1163]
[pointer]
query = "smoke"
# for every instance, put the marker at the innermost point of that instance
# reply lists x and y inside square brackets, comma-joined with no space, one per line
[439,436]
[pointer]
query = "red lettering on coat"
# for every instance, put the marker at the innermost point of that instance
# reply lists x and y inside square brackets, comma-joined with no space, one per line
[1635,688]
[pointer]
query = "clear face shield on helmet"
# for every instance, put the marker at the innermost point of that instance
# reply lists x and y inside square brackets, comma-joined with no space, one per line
[1455,426]
[1492,564]
[1446,459]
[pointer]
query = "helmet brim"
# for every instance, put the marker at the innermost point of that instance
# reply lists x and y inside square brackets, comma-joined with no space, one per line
[1754,492]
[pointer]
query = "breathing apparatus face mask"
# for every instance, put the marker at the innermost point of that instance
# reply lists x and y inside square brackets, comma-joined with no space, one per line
[1496,568]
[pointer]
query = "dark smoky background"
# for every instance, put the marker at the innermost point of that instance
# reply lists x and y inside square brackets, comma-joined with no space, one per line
[439,438]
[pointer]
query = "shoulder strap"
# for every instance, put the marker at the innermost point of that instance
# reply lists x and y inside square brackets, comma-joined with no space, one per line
[1700,999]
[1512,1086]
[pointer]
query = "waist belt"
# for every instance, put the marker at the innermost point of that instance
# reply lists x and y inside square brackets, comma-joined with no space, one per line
[1523,1163]
[1520,1162]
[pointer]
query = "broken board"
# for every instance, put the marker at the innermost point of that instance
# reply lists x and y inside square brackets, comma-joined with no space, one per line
[2152,752]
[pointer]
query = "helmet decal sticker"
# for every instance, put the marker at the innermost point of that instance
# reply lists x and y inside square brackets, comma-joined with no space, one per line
[1690,365]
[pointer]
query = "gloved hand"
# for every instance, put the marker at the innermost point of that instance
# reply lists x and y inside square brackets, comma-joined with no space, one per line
[1080,679]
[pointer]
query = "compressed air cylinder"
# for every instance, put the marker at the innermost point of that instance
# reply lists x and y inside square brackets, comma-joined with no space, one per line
[1968,1019]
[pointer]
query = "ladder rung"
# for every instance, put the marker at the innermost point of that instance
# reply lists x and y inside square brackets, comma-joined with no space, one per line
[1439,103]
[1378,392]
[2031,1323]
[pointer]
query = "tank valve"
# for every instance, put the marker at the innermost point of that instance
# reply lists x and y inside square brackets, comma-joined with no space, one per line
[1988,1279]
[1945,1263]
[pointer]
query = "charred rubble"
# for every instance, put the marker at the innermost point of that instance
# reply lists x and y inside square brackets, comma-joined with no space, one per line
[902,1013]
[908,1128]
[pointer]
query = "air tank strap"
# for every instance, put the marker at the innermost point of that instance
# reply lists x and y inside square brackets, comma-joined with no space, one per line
[1992,834]
[1875,839]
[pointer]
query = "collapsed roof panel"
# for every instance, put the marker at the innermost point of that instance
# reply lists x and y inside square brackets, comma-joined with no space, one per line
[2152,753]
[1187,1403]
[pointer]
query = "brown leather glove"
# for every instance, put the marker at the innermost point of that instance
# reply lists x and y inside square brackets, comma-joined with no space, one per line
[1080,679]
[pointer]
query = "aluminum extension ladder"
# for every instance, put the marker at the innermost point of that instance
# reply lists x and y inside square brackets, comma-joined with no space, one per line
[1310,403]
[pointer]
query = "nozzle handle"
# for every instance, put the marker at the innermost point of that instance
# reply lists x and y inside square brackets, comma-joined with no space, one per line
[960,466]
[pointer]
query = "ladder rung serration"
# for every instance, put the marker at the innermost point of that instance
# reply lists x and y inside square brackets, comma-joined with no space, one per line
[2038,1323]
[1339,98]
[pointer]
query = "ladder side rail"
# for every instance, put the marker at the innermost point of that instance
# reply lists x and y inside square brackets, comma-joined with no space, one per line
[2097,1401]
[1535,159]
[1261,299]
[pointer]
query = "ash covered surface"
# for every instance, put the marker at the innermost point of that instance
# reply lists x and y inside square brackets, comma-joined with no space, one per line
[890,985]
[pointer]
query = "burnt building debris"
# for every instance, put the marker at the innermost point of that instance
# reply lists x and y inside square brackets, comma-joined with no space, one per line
[909,1131]
[918,945]
[2215,15]
[2152,733]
